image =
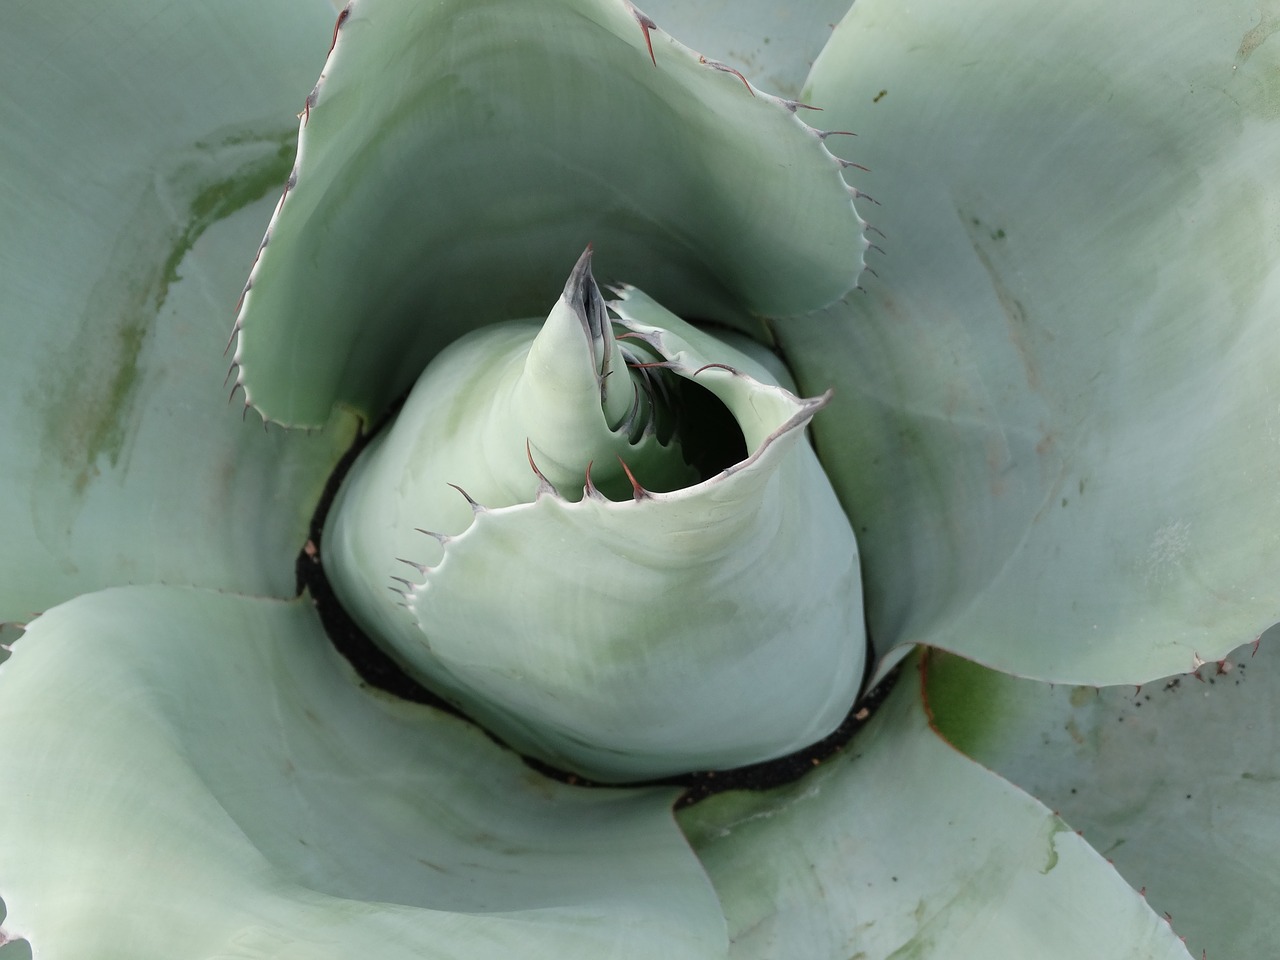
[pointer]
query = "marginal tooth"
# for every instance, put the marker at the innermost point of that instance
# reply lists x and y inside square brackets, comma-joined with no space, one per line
[422,568]
[475,507]
[544,485]
[725,68]
[718,366]
[235,327]
[589,490]
[442,538]
[643,336]
[637,492]
[794,105]
[646,24]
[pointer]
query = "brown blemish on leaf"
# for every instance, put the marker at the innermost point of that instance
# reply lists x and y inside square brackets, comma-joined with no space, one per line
[1256,36]
[1015,313]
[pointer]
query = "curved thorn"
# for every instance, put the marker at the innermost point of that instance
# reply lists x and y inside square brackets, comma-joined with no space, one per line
[846,164]
[475,507]
[235,327]
[872,226]
[420,567]
[342,18]
[650,364]
[859,195]
[877,248]
[441,538]
[722,366]
[823,134]
[794,105]
[408,583]
[397,590]
[590,488]
[637,492]
[649,337]
[544,485]
[725,68]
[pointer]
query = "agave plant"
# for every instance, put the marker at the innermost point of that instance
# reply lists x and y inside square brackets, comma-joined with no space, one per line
[1016,477]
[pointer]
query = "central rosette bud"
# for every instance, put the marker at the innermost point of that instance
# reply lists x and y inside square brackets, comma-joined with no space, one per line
[608,541]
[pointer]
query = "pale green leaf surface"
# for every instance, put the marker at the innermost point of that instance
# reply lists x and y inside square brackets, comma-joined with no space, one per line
[772,43]
[456,156]
[194,774]
[1057,420]
[143,144]
[623,639]
[1178,781]
[901,848]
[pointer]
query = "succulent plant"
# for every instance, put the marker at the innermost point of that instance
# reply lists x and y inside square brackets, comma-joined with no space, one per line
[1006,497]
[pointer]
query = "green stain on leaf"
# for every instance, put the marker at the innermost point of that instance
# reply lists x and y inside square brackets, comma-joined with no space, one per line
[1053,826]
[917,948]
[251,182]
[89,407]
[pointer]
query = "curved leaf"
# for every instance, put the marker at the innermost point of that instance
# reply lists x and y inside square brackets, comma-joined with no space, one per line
[900,847]
[1178,782]
[1057,431]
[142,140]
[455,155]
[195,774]
[709,626]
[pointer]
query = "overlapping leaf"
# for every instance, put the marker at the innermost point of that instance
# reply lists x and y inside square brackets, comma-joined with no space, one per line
[1056,431]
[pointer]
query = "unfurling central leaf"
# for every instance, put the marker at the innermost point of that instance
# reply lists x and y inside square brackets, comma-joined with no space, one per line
[561,569]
